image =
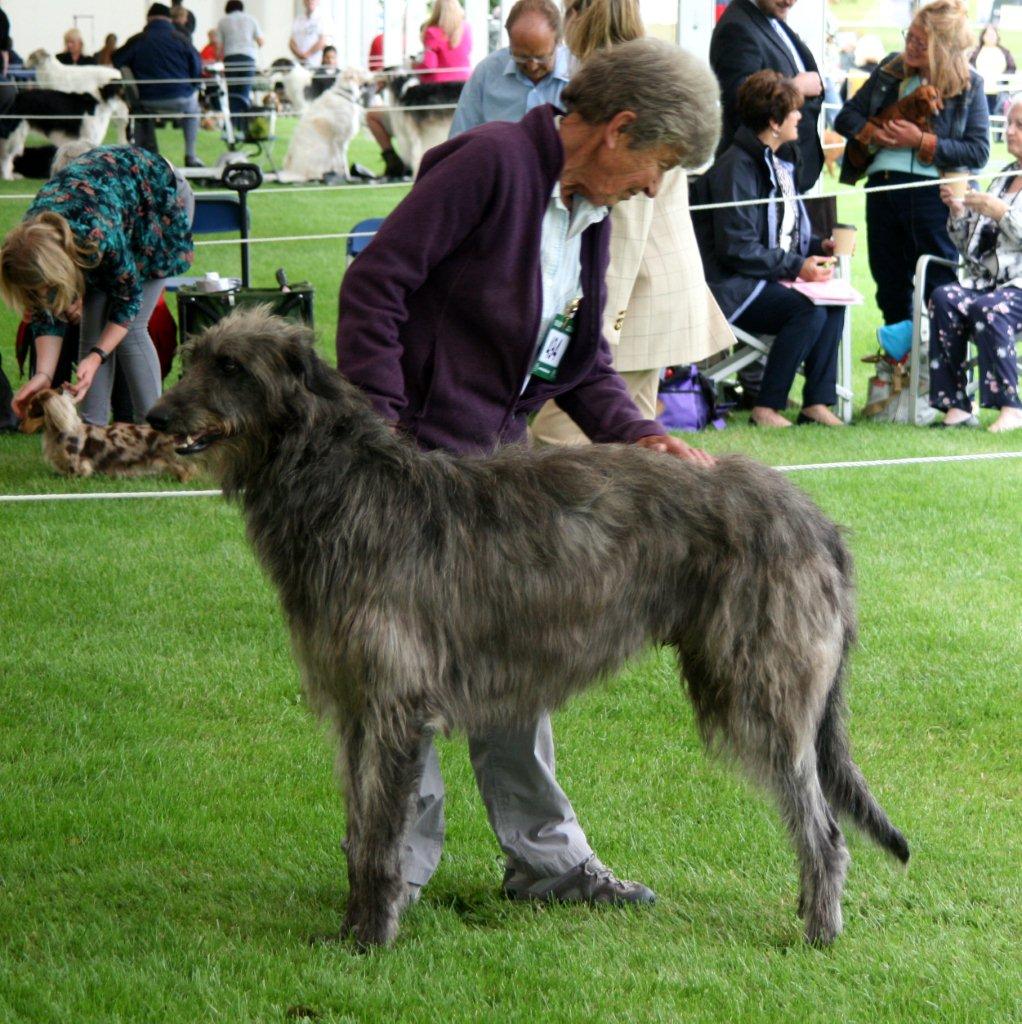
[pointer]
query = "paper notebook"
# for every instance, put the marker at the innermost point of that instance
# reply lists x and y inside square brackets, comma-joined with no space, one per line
[835,292]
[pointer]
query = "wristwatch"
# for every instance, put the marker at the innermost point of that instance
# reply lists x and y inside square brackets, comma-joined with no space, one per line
[103,356]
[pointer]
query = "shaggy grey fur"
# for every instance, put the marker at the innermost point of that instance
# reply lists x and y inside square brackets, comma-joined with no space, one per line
[426,591]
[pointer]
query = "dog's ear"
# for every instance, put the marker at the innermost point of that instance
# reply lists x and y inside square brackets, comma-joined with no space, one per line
[34,409]
[311,371]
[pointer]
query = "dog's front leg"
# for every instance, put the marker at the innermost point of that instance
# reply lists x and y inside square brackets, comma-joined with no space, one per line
[382,776]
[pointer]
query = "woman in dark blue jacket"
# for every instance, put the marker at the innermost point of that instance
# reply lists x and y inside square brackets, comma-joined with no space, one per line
[904,224]
[747,250]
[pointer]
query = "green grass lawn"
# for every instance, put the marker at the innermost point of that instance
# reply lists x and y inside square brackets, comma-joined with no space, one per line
[169,821]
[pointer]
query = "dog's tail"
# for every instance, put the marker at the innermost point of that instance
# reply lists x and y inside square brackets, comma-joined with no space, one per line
[843,783]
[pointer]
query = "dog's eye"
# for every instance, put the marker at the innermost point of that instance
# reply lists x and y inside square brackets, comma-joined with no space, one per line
[228,365]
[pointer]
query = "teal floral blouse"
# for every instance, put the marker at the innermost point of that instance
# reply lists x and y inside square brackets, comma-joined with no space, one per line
[124,199]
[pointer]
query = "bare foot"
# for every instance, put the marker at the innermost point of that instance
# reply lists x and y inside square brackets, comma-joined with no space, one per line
[1009,419]
[766,417]
[954,416]
[821,414]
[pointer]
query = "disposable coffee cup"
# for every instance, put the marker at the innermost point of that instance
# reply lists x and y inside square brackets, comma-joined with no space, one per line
[844,239]
[957,181]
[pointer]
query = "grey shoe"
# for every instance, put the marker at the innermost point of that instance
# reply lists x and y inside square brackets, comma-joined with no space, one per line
[589,882]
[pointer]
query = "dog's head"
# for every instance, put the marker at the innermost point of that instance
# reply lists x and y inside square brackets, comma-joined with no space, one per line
[54,409]
[37,58]
[247,380]
[922,105]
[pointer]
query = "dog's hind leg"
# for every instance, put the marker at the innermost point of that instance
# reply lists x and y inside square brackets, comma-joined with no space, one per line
[823,858]
[774,742]
[382,778]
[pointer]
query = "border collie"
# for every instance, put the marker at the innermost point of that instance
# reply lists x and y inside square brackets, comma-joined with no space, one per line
[416,131]
[59,116]
[51,74]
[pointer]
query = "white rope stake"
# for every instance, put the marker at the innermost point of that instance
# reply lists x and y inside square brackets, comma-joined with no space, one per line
[863,464]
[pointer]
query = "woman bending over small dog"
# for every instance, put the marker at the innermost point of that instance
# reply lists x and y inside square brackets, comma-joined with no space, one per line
[95,246]
[986,304]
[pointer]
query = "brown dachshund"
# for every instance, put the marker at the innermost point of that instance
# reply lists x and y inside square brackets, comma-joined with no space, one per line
[918,107]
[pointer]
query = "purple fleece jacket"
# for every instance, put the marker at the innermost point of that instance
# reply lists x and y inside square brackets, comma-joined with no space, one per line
[439,315]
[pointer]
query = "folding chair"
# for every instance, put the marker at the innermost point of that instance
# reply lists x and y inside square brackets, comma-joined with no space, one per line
[753,348]
[361,235]
[921,337]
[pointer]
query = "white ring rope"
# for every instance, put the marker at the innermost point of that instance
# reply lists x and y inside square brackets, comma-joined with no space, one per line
[174,115]
[269,74]
[291,191]
[805,468]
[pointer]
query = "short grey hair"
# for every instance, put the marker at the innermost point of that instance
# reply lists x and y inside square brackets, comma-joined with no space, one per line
[674,95]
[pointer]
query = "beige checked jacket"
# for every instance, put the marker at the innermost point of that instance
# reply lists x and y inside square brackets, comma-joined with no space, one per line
[659,310]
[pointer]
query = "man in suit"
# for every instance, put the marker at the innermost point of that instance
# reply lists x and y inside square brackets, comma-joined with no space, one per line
[753,35]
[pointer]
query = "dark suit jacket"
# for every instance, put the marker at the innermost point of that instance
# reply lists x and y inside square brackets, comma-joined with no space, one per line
[744,42]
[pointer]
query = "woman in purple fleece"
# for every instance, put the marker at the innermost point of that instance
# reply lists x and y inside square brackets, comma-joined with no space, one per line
[480,298]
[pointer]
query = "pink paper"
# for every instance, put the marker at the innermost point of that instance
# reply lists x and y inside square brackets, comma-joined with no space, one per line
[835,292]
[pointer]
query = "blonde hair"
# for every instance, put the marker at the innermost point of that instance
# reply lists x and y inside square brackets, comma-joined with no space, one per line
[42,264]
[948,37]
[73,35]
[449,17]
[591,25]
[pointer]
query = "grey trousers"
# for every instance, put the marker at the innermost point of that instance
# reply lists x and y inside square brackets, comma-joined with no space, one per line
[529,812]
[136,354]
[145,127]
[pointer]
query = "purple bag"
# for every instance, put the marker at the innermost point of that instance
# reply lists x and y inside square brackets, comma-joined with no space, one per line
[688,401]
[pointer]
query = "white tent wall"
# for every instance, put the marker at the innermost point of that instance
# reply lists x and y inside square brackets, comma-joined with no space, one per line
[356,22]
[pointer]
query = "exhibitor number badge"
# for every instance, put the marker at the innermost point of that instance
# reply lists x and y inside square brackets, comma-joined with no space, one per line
[555,344]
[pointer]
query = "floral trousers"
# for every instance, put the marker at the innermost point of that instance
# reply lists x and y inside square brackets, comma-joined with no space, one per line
[992,319]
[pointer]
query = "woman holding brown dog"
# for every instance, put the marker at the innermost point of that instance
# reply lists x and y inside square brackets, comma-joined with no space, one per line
[904,223]
[94,248]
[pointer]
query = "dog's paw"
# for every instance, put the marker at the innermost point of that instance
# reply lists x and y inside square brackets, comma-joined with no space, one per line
[824,926]
[369,930]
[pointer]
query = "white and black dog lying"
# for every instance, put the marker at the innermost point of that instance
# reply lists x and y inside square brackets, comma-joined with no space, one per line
[421,114]
[60,117]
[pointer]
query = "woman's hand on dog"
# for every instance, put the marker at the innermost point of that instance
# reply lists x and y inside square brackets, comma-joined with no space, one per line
[87,368]
[675,446]
[36,383]
[898,134]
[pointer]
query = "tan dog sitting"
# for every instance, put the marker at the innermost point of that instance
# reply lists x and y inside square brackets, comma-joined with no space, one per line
[918,107]
[74,448]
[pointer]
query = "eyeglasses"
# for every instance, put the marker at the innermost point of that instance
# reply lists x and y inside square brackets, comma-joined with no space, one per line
[914,40]
[524,61]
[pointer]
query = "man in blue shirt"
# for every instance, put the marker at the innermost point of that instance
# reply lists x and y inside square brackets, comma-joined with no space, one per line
[530,72]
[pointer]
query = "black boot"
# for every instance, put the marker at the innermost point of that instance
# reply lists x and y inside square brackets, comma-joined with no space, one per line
[394,167]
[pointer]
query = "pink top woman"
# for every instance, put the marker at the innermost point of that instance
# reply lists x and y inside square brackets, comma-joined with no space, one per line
[452,63]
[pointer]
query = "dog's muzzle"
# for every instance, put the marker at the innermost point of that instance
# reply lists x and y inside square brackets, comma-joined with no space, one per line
[184,444]
[192,444]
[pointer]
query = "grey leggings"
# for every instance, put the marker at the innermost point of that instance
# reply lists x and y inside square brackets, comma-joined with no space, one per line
[136,354]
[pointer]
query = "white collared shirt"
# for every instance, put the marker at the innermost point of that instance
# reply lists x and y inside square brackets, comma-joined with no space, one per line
[560,257]
[787,40]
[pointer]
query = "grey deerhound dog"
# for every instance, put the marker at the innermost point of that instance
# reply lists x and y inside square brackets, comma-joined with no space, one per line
[427,591]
